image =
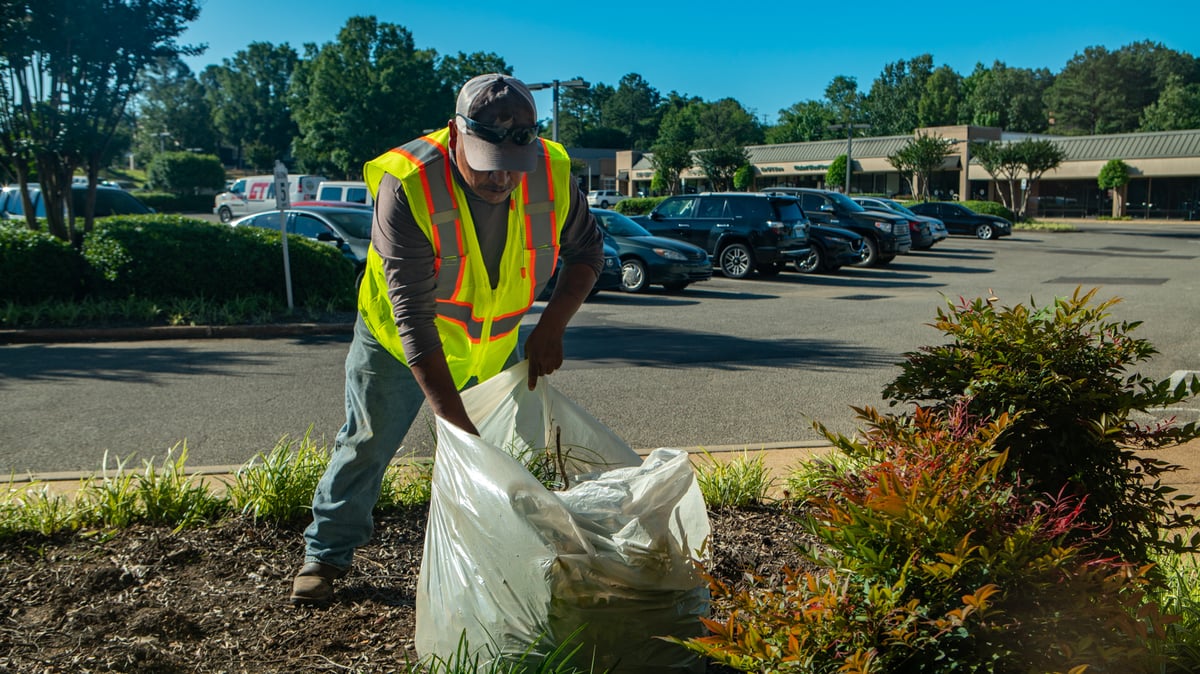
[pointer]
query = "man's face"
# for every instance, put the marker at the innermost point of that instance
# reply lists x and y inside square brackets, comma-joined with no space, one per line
[493,187]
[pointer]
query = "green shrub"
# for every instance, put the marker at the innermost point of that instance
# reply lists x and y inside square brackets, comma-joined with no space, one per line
[185,173]
[171,257]
[638,205]
[37,266]
[1067,372]
[990,208]
[934,561]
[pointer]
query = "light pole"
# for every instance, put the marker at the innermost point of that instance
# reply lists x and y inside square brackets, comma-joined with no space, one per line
[849,146]
[555,85]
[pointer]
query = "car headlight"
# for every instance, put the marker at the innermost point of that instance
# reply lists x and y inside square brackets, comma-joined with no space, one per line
[883,226]
[670,254]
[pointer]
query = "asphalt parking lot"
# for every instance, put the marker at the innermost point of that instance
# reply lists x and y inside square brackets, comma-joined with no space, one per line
[726,363]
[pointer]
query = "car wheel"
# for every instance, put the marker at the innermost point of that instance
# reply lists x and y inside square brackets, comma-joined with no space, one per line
[633,276]
[676,286]
[811,263]
[985,231]
[603,204]
[735,260]
[225,215]
[870,253]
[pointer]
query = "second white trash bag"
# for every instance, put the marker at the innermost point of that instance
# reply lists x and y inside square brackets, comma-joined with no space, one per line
[514,567]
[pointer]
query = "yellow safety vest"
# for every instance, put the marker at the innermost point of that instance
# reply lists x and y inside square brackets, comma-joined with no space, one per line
[478,326]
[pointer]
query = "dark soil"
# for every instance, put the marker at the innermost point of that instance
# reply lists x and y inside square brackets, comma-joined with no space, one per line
[150,600]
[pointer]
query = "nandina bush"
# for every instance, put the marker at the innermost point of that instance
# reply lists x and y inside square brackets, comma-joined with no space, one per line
[1067,373]
[934,560]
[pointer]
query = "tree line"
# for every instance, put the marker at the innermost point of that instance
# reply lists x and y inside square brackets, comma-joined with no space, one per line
[121,86]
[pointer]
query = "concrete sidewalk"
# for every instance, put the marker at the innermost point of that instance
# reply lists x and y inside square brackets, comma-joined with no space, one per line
[781,459]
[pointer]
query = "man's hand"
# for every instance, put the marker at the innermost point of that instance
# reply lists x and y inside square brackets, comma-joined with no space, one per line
[543,347]
[544,351]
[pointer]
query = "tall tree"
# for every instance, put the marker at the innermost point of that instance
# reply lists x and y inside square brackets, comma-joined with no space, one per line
[249,98]
[172,112]
[1177,108]
[1091,96]
[634,109]
[803,121]
[723,130]
[581,118]
[369,91]
[673,147]
[457,70]
[941,102]
[68,70]
[1018,166]
[918,160]
[1009,98]
[892,103]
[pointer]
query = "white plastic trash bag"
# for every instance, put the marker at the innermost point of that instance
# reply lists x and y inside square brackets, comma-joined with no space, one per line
[518,570]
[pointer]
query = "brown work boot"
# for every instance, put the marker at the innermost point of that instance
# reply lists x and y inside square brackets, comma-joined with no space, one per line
[313,584]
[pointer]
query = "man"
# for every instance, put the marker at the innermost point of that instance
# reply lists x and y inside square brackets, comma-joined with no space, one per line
[469,223]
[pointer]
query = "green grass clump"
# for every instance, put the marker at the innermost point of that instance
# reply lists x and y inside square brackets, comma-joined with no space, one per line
[278,486]
[740,481]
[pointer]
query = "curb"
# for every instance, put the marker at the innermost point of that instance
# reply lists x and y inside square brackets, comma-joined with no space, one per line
[61,335]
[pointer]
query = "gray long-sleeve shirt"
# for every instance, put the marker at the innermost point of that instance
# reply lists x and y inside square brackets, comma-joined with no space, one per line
[408,255]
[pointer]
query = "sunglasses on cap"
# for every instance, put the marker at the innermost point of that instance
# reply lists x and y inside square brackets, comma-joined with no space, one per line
[495,135]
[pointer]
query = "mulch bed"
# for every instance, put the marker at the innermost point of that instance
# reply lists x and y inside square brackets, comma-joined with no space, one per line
[149,600]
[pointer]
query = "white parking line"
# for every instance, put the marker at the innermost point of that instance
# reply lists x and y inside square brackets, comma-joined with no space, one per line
[1179,375]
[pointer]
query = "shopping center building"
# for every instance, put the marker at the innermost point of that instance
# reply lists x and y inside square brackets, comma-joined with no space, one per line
[1164,170]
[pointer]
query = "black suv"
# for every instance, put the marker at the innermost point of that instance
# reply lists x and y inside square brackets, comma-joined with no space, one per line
[742,231]
[886,235]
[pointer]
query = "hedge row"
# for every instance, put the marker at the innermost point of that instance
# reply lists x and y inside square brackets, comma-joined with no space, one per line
[163,257]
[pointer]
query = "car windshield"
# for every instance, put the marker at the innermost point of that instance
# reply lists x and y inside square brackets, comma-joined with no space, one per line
[897,206]
[619,225]
[356,223]
[849,204]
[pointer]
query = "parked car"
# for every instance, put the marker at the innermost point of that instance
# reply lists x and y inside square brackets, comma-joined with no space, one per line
[347,227]
[255,194]
[652,260]
[832,248]
[961,220]
[886,234]
[109,201]
[344,190]
[604,198]
[934,232]
[609,278]
[742,232]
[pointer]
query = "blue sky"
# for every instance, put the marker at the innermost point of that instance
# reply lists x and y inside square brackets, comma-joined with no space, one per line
[767,59]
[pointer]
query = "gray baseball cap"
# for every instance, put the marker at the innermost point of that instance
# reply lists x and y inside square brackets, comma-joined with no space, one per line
[493,103]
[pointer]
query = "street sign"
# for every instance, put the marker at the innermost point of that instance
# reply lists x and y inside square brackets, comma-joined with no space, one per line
[281,202]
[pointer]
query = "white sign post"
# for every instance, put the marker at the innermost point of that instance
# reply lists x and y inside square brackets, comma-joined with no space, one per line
[282,203]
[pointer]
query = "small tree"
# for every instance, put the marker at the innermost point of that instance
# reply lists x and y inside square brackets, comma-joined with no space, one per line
[1114,177]
[743,178]
[919,158]
[1018,166]
[835,175]
[720,163]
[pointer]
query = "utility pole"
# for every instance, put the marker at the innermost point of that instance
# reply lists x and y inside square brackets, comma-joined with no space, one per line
[555,85]
[849,147]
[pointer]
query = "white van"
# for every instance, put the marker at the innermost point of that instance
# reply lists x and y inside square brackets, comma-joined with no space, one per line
[345,190]
[257,193]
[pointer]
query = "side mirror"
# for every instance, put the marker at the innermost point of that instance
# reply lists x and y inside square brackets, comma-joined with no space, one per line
[656,216]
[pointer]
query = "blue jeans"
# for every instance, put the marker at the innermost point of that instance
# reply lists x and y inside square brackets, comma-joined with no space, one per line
[382,400]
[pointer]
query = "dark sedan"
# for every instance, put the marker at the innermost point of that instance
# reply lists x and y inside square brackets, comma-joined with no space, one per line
[652,260]
[961,220]
[832,248]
